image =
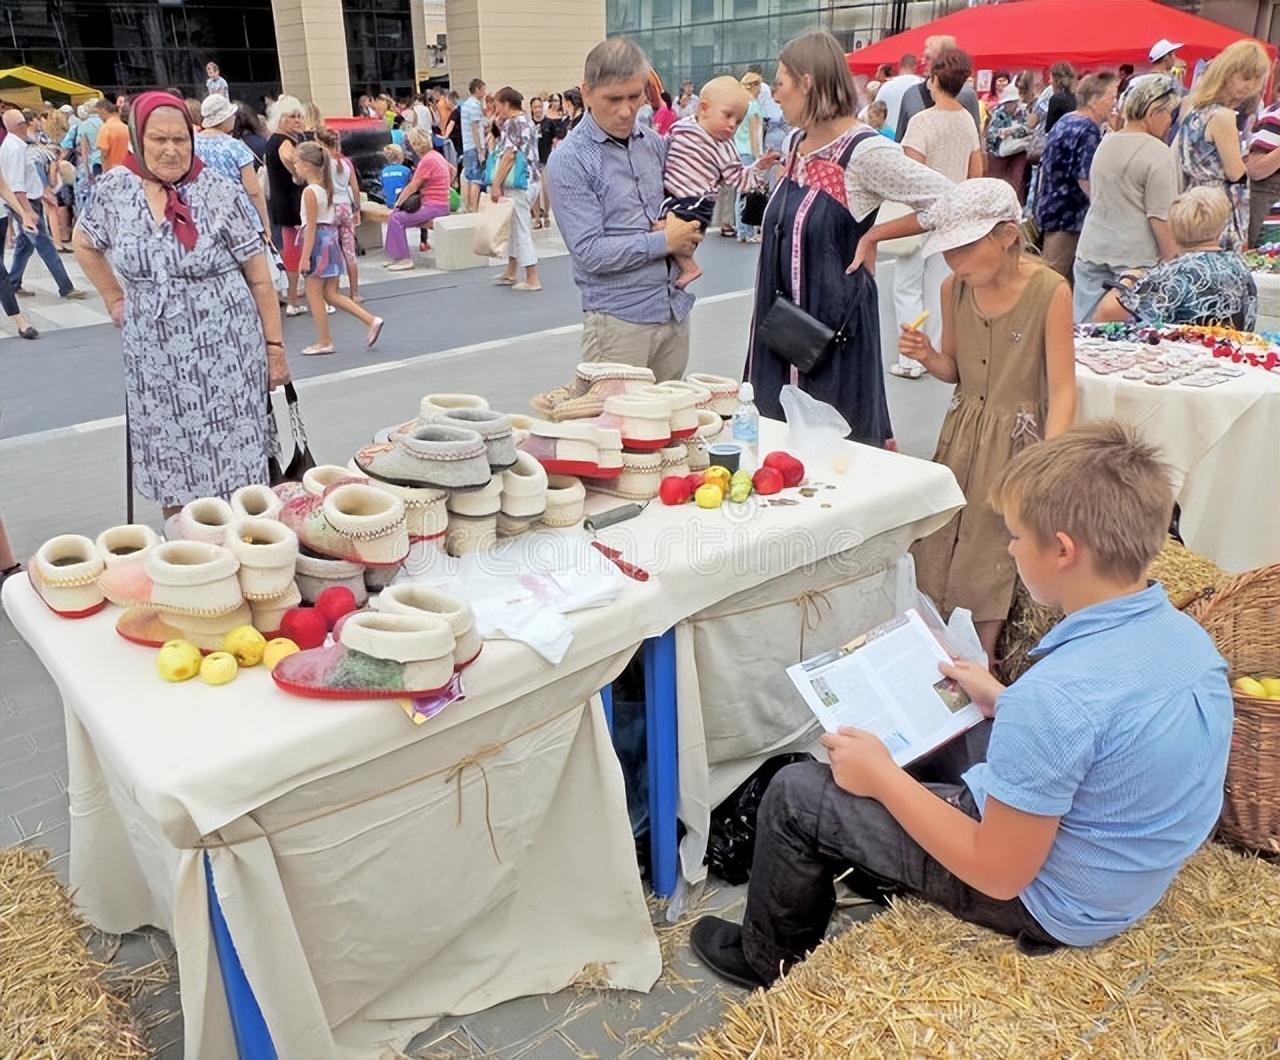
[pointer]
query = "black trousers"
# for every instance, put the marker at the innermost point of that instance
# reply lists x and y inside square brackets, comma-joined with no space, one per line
[8,302]
[809,831]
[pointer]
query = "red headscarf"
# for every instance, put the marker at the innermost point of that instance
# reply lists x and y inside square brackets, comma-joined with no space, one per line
[176,210]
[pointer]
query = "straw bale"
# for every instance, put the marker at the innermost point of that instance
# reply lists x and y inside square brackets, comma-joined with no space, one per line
[56,1000]
[1198,977]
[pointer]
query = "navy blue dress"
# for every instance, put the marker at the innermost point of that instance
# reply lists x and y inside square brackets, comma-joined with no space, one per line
[806,259]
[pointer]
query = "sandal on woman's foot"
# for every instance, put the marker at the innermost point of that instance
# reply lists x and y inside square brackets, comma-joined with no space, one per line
[312,351]
[522,286]
[401,266]
[28,333]
[294,310]
[375,329]
[505,281]
[728,231]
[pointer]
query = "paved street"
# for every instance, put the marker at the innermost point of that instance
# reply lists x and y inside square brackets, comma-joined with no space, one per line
[62,470]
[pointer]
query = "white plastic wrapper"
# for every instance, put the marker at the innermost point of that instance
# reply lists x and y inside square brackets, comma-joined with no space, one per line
[816,432]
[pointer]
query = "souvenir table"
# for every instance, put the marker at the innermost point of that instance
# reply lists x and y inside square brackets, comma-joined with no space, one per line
[375,875]
[1222,440]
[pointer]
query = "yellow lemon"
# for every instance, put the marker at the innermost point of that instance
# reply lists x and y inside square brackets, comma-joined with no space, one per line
[246,644]
[276,650]
[1247,686]
[219,668]
[1271,685]
[709,495]
[178,660]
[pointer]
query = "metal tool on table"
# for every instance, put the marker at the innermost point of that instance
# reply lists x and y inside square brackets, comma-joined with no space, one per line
[612,517]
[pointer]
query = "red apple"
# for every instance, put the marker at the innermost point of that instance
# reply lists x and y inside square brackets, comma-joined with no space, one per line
[694,480]
[767,480]
[673,490]
[305,626]
[334,602]
[791,468]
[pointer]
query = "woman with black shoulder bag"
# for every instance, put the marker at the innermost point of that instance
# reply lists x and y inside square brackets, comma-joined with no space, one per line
[816,321]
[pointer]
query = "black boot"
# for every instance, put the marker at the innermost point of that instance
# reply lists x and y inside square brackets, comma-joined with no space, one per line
[718,944]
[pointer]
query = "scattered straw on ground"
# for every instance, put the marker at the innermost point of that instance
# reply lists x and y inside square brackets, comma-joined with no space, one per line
[1198,977]
[55,1000]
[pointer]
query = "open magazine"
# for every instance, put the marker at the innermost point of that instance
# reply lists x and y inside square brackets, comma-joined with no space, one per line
[887,683]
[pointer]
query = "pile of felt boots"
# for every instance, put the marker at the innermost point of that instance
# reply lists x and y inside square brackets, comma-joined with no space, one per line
[460,466]
[224,568]
[663,428]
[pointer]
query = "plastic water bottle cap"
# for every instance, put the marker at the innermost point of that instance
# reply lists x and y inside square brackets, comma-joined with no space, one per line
[746,392]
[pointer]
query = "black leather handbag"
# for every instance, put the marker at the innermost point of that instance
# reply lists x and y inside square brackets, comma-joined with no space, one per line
[794,335]
[301,461]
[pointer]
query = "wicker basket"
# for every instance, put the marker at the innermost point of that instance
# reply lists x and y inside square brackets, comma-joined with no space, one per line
[1243,618]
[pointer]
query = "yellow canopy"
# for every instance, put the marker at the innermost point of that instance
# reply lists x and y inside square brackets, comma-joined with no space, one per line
[73,90]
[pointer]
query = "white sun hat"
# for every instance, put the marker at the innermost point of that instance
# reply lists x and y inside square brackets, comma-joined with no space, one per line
[1161,48]
[968,211]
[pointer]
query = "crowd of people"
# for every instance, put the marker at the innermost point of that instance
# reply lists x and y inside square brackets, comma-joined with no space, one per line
[1102,162]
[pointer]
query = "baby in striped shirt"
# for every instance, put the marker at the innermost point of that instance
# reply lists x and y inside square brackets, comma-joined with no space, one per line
[702,157]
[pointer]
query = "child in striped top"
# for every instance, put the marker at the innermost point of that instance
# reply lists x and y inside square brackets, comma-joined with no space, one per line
[702,157]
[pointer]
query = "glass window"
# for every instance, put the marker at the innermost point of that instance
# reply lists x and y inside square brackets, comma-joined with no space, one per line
[664,13]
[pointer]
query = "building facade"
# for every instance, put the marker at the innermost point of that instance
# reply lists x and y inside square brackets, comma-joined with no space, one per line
[321,50]
[696,40]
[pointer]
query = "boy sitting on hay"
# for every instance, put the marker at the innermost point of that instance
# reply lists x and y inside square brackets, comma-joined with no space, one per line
[1105,762]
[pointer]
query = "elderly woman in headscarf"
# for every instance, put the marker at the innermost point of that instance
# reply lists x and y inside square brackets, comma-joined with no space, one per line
[174,252]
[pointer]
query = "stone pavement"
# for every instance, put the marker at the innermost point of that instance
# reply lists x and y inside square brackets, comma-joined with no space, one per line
[72,481]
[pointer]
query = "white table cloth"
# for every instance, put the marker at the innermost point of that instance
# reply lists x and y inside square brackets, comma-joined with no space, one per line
[364,900]
[351,851]
[1223,444]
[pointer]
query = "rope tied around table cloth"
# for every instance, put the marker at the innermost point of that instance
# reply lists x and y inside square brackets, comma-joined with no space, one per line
[456,773]
[810,603]
[453,773]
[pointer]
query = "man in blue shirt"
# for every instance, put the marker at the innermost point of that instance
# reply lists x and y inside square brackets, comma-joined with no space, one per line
[605,182]
[473,145]
[1106,760]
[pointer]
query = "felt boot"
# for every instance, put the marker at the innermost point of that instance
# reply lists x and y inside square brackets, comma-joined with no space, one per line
[352,521]
[407,599]
[436,455]
[65,573]
[378,656]
[122,545]
[268,554]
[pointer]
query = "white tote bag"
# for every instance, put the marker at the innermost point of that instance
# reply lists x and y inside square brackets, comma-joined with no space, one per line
[493,232]
[275,266]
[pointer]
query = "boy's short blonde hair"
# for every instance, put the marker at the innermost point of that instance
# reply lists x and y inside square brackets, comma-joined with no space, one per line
[727,90]
[877,113]
[1199,215]
[1098,484]
[393,154]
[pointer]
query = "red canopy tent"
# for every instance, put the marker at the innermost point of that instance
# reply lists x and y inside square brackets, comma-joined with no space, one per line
[1038,33]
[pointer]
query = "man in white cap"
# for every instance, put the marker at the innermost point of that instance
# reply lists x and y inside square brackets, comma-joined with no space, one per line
[1163,56]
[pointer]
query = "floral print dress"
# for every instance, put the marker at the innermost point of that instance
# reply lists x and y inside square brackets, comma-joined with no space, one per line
[1201,166]
[195,363]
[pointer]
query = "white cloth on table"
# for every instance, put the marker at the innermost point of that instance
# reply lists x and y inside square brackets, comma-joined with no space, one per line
[523,588]
[1221,442]
[362,908]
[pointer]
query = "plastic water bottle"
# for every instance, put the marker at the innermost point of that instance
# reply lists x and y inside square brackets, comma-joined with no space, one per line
[745,427]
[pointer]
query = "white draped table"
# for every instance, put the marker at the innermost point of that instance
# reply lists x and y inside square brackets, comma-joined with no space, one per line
[375,875]
[1223,444]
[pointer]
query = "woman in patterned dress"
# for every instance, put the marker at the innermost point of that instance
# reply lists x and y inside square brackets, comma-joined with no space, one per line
[1207,146]
[519,138]
[836,172]
[177,258]
[223,153]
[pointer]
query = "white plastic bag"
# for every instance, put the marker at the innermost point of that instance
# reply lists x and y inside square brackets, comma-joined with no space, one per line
[816,432]
[493,232]
[275,266]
